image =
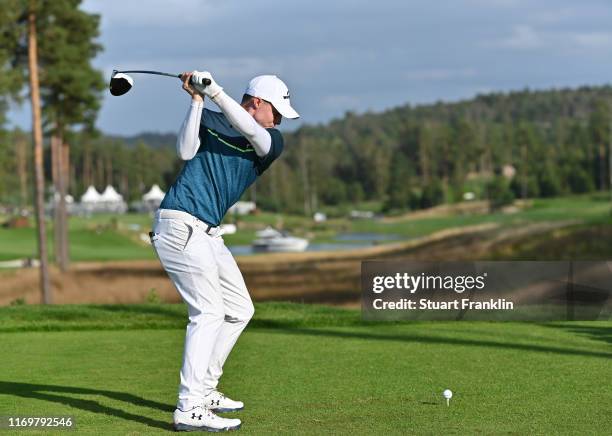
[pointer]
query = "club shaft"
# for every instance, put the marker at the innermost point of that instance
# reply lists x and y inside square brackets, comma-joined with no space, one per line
[159,73]
[204,82]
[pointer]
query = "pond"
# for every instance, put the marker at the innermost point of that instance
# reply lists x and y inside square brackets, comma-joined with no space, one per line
[367,237]
[346,241]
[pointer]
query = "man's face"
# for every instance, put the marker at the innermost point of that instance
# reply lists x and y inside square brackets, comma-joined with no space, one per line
[266,115]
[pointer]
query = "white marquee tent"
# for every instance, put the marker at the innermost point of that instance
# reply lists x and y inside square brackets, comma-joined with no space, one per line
[90,196]
[154,194]
[152,199]
[112,201]
[109,201]
[242,208]
[110,195]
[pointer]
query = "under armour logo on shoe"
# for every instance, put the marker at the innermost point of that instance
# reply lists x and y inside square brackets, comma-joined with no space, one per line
[193,416]
[212,402]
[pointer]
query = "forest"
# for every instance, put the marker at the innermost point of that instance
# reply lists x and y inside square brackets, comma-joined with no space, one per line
[499,146]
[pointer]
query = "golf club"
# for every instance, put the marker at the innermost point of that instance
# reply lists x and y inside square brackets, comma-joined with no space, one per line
[121,83]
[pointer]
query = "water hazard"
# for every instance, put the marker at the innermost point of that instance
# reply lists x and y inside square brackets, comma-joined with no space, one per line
[345,241]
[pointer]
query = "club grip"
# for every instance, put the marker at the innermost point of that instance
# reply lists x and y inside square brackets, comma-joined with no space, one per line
[205,82]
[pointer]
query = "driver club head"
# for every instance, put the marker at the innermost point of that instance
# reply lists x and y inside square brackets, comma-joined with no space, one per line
[120,83]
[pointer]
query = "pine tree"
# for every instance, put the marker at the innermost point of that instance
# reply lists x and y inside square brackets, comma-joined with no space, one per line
[70,89]
[599,126]
[399,190]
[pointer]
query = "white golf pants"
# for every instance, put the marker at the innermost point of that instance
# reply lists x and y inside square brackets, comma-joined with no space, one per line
[219,306]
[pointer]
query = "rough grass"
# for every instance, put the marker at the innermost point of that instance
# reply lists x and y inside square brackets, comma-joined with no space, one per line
[590,209]
[579,242]
[86,244]
[310,370]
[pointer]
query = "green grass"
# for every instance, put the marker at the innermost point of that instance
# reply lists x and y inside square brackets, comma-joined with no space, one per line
[587,208]
[99,238]
[108,237]
[310,370]
[85,245]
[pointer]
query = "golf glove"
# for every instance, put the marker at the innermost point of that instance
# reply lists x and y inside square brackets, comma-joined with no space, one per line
[211,90]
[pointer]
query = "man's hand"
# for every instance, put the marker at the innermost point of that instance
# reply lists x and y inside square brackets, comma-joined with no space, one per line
[195,94]
[211,90]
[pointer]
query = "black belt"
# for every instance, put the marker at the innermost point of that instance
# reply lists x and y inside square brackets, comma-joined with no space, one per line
[208,229]
[165,213]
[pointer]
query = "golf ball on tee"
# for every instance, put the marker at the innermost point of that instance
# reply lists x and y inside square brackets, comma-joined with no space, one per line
[448,394]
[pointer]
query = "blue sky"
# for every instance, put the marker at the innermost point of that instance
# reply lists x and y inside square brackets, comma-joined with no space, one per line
[341,55]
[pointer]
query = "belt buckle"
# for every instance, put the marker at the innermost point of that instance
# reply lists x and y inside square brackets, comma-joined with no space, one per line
[204,225]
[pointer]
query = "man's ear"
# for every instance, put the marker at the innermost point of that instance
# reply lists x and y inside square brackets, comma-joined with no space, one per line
[256,102]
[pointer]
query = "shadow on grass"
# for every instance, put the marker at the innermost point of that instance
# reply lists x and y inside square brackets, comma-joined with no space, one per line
[409,337]
[595,332]
[57,394]
[144,309]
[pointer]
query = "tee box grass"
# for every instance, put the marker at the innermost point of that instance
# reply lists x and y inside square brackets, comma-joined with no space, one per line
[303,369]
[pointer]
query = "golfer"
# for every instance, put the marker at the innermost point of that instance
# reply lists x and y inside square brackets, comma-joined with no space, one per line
[225,152]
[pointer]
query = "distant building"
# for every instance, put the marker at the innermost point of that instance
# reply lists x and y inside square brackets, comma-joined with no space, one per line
[112,201]
[90,201]
[152,199]
[109,201]
[508,171]
[90,196]
[319,217]
[54,201]
[228,229]
[361,214]
[242,208]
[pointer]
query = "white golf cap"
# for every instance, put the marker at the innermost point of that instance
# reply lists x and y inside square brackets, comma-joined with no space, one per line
[274,90]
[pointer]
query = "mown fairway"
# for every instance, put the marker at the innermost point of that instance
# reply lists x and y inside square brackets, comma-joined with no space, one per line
[311,370]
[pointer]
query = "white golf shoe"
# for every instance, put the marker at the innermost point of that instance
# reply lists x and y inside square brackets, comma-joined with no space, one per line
[217,402]
[202,419]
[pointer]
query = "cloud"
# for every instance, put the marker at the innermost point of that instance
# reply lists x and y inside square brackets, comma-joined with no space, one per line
[440,74]
[156,13]
[497,3]
[592,39]
[406,51]
[526,38]
[341,102]
[523,37]
[557,15]
[238,67]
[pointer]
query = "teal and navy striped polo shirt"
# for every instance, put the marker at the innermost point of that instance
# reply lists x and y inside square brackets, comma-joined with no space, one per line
[224,166]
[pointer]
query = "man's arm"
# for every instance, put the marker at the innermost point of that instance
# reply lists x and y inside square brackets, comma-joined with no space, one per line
[238,117]
[188,140]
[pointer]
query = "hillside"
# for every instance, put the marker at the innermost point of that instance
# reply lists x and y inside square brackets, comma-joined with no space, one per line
[542,106]
[152,139]
[552,142]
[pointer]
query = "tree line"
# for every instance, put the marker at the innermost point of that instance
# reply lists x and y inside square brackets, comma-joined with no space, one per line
[499,145]
[556,142]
